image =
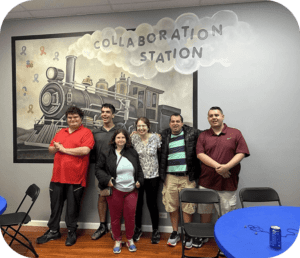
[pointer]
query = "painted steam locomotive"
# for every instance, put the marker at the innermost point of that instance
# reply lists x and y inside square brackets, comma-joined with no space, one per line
[131,100]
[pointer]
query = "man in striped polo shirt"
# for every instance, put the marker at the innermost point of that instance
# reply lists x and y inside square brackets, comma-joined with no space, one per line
[179,168]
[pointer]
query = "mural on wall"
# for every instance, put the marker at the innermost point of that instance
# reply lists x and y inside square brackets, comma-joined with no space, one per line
[150,71]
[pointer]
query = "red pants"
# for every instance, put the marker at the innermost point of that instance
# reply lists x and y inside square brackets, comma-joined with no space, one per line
[122,203]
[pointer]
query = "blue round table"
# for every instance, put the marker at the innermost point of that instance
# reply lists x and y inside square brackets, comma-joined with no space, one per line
[3,205]
[236,240]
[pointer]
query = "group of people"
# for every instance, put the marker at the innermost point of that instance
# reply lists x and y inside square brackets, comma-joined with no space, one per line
[181,157]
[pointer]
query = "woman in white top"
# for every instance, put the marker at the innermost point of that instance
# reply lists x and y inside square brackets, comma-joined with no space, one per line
[147,144]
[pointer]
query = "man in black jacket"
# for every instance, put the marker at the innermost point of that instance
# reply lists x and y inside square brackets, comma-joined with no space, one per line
[179,168]
[102,137]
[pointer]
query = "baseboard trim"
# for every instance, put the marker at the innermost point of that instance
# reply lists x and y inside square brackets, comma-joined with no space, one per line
[86,225]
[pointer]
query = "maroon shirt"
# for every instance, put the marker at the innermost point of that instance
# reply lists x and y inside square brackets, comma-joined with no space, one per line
[221,148]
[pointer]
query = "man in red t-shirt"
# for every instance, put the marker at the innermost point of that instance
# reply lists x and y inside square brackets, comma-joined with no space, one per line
[71,147]
[221,149]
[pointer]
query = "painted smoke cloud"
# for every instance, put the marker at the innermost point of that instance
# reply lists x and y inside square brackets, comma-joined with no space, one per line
[185,44]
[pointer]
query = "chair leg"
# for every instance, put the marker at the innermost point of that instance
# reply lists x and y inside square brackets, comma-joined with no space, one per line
[19,233]
[31,248]
[4,231]
[16,232]
[182,245]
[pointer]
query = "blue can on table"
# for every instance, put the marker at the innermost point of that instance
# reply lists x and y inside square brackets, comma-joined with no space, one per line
[275,237]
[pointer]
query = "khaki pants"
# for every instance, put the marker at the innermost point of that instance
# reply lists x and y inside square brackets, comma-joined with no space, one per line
[170,193]
[227,199]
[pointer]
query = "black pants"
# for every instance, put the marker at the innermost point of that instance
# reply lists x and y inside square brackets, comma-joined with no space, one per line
[151,188]
[58,194]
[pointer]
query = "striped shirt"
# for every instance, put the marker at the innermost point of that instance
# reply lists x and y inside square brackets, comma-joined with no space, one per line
[177,156]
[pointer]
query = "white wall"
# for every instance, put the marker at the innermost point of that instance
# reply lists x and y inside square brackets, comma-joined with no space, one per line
[258,93]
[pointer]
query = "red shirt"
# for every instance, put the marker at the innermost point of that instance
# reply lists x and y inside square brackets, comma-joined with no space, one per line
[221,148]
[69,169]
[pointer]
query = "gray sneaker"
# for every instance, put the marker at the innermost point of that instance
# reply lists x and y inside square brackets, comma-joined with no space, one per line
[173,239]
[101,231]
[205,240]
[188,242]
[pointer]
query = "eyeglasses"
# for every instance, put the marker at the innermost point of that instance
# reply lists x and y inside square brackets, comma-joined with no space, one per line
[73,117]
[141,126]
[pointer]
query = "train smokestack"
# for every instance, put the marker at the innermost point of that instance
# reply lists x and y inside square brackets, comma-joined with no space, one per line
[70,69]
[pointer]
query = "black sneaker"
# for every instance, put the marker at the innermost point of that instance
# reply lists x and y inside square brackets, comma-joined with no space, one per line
[48,236]
[100,232]
[155,236]
[71,239]
[137,234]
[197,242]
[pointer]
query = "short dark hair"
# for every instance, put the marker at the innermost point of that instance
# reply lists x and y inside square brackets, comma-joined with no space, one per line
[110,106]
[176,114]
[145,120]
[125,133]
[218,108]
[74,110]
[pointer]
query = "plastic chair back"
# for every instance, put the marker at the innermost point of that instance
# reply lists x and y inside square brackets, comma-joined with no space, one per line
[258,194]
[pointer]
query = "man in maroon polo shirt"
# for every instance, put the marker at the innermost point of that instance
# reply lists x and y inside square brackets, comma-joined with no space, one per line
[221,149]
[71,147]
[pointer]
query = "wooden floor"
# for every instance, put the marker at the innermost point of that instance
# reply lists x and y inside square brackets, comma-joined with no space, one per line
[86,247]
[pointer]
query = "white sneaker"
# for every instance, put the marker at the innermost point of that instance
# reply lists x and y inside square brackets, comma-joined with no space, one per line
[131,246]
[117,247]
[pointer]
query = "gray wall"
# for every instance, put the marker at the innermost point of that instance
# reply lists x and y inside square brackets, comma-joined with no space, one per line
[258,93]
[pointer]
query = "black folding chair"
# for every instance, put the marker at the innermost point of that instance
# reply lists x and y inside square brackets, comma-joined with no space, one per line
[258,194]
[197,229]
[20,218]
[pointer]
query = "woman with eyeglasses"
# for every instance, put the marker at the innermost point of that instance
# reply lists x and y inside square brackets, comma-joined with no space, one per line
[120,169]
[147,144]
